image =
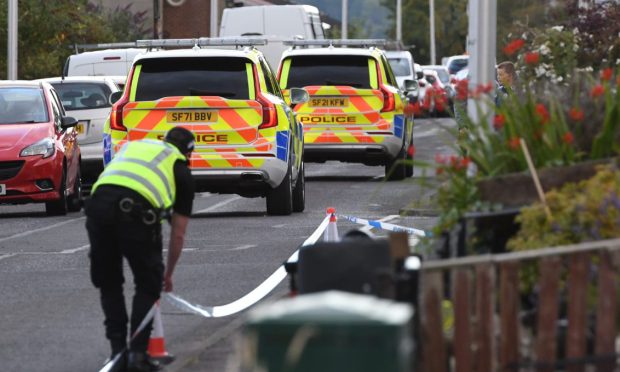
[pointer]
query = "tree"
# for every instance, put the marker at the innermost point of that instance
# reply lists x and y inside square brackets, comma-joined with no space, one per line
[48,30]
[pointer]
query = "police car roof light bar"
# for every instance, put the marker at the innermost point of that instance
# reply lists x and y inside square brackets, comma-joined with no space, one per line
[203,41]
[336,42]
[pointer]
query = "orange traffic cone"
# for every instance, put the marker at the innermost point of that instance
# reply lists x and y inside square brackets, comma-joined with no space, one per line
[331,232]
[157,345]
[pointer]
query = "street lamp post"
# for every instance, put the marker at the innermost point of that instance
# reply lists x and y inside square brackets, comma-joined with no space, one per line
[399,21]
[214,17]
[431,17]
[12,40]
[345,22]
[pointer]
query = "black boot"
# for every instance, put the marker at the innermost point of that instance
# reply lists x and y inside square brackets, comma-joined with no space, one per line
[138,361]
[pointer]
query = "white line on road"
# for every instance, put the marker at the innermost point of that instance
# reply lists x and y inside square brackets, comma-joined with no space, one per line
[26,233]
[279,226]
[217,205]
[74,250]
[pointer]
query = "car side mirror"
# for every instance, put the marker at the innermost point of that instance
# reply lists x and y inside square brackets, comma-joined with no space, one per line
[410,85]
[298,95]
[115,97]
[419,74]
[68,122]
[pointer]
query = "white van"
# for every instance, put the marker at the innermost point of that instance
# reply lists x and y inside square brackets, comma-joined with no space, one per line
[108,62]
[276,23]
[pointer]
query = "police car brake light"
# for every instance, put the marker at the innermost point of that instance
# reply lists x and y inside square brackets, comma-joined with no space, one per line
[200,42]
[388,100]
[269,113]
[116,116]
[336,42]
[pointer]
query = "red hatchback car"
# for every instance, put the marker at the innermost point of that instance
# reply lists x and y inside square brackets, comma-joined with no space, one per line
[39,153]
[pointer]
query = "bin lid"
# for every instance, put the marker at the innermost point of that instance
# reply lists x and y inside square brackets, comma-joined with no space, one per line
[333,307]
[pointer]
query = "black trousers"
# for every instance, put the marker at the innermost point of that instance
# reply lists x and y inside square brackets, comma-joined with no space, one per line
[113,235]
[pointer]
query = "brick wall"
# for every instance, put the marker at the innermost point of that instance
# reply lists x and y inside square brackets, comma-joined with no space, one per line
[188,20]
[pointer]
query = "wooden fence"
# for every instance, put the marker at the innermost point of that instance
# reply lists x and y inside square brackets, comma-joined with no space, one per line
[485,331]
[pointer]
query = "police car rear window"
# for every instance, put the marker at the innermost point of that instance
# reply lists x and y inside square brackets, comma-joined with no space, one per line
[329,70]
[209,76]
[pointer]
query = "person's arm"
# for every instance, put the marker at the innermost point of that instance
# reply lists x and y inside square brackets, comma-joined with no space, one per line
[177,237]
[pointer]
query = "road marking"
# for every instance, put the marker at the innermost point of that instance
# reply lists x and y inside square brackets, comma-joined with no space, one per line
[279,226]
[26,233]
[9,255]
[243,247]
[239,248]
[74,250]
[217,205]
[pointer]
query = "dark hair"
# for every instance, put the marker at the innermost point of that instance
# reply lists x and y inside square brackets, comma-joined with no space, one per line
[182,138]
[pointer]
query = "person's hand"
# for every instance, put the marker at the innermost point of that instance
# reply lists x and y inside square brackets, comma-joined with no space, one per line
[167,283]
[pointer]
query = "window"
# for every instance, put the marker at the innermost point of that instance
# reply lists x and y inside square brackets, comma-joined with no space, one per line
[400,66]
[388,72]
[58,110]
[267,75]
[329,70]
[21,105]
[208,76]
[83,96]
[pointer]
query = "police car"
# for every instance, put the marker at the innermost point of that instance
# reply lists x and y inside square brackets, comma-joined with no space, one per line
[247,139]
[356,111]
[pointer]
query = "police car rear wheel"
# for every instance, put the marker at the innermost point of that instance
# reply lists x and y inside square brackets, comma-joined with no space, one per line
[299,192]
[280,199]
[395,169]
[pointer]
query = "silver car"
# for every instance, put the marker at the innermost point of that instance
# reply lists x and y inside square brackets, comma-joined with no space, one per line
[87,99]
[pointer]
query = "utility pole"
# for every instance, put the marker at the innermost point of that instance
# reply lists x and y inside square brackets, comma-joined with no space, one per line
[431,5]
[12,40]
[481,48]
[345,22]
[214,16]
[399,21]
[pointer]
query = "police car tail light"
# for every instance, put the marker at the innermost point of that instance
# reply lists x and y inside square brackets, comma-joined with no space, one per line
[388,100]
[269,113]
[116,117]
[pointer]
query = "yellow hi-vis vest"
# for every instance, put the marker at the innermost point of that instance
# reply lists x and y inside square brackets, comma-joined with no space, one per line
[146,167]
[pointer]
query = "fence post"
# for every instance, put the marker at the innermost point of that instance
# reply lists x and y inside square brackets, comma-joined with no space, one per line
[509,313]
[462,319]
[485,353]
[577,310]
[606,310]
[434,355]
[546,343]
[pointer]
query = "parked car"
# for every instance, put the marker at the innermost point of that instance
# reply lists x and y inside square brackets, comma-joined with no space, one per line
[39,151]
[356,110]
[444,77]
[87,99]
[437,101]
[248,141]
[401,62]
[455,64]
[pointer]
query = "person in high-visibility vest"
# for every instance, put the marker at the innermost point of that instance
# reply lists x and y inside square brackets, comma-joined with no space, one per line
[146,181]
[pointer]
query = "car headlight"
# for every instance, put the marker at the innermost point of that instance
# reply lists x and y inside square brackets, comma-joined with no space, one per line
[43,147]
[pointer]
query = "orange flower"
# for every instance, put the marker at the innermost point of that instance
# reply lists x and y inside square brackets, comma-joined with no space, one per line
[575,114]
[568,138]
[514,46]
[514,143]
[606,74]
[440,159]
[542,113]
[499,121]
[462,87]
[597,91]
[439,171]
[465,161]
[531,58]
[411,150]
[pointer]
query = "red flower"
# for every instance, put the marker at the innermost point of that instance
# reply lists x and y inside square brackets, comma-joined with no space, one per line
[440,159]
[568,138]
[597,91]
[514,143]
[462,87]
[531,58]
[465,162]
[606,74]
[499,121]
[514,46]
[542,113]
[411,150]
[439,171]
[575,114]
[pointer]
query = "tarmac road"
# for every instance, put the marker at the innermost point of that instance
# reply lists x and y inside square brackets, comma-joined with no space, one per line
[49,311]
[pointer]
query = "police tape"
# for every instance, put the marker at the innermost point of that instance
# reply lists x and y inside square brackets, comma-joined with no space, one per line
[252,297]
[385,226]
[110,365]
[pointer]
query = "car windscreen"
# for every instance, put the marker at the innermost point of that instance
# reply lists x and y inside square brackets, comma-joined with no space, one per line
[457,65]
[20,105]
[430,79]
[208,76]
[83,95]
[400,66]
[443,75]
[329,70]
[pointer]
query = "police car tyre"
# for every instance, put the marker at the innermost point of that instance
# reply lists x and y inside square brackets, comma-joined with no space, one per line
[59,207]
[74,201]
[409,165]
[395,169]
[280,199]
[299,192]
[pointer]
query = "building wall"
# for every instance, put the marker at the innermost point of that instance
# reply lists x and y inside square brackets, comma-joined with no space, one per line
[189,20]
